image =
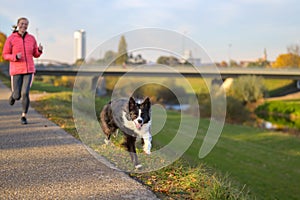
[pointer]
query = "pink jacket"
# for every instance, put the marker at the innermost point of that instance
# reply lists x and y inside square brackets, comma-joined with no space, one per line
[27,46]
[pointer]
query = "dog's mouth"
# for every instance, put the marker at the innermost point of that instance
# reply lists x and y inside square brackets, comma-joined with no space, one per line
[138,125]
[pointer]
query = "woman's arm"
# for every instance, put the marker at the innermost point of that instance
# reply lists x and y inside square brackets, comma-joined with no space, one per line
[7,51]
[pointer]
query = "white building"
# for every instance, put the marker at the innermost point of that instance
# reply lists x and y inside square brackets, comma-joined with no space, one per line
[187,57]
[79,44]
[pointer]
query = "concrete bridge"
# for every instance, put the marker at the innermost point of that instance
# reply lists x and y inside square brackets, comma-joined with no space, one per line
[158,71]
[56,69]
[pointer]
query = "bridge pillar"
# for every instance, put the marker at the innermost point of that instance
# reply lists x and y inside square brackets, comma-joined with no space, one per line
[225,83]
[298,84]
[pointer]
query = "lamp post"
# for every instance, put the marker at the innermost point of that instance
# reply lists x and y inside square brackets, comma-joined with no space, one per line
[229,54]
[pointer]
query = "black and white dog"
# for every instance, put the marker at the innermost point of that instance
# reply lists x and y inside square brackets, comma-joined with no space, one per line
[133,118]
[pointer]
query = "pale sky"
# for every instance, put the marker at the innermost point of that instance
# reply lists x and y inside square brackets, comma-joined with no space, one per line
[239,29]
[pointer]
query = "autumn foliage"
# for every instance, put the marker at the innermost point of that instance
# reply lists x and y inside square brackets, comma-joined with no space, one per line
[2,41]
[287,60]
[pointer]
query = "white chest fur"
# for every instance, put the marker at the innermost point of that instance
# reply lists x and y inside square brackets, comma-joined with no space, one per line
[143,132]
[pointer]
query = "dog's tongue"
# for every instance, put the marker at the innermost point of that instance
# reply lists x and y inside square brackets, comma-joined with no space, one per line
[138,125]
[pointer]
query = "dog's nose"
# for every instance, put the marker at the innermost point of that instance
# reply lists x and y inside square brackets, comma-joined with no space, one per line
[140,121]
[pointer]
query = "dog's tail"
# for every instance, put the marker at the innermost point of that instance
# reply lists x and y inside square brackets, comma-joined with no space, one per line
[106,121]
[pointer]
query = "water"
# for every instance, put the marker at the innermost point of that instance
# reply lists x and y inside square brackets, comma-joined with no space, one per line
[283,121]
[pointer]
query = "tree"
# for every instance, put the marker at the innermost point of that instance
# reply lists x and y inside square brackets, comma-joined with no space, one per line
[233,63]
[259,63]
[2,41]
[247,88]
[79,62]
[122,52]
[294,49]
[287,60]
[109,57]
[290,59]
[223,64]
[168,60]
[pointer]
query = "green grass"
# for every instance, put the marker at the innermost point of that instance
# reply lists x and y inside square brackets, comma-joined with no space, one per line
[266,162]
[38,87]
[274,84]
[182,181]
[275,87]
[57,107]
[196,84]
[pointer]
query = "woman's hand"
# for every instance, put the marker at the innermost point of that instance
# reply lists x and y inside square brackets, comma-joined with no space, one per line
[40,47]
[19,56]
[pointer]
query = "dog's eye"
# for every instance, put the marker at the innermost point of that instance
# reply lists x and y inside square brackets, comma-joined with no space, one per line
[133,115]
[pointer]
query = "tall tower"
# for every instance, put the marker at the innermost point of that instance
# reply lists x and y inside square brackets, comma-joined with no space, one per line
[79,44]
[265,56]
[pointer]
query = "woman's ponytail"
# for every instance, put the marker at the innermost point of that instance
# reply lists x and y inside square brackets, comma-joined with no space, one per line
[14,28]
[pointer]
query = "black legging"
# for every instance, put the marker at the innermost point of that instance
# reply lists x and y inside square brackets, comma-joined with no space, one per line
[20,88]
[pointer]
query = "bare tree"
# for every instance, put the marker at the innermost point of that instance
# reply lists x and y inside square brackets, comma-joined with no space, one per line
[294,49]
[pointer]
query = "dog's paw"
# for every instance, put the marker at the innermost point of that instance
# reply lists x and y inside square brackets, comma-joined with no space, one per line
[106,141]
[147,147]
[139,166]
[148,152]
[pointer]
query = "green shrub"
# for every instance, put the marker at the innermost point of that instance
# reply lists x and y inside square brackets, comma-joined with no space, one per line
[66,81]
[46,79]
[280,112]
[280,107]
[247,88]
[236,111]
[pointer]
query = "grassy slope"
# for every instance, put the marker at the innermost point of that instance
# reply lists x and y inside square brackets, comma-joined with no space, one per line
[267,162]
[277,87]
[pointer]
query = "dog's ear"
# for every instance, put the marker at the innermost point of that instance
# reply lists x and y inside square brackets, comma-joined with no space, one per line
[147,103]
[131,104]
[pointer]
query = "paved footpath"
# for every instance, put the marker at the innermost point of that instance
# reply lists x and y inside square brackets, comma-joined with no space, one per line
[41,161]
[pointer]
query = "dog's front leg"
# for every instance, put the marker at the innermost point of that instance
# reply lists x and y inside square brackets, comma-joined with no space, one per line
[130,144]
[147,143]
[135,160]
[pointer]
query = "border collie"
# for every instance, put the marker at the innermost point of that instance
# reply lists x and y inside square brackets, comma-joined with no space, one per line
[133,118]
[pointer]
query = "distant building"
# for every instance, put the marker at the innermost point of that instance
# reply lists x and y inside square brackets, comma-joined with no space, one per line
[79,45]
[188,58]
[260,62]
[246,63]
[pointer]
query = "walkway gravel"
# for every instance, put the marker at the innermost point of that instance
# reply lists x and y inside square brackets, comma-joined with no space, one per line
[41,161]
